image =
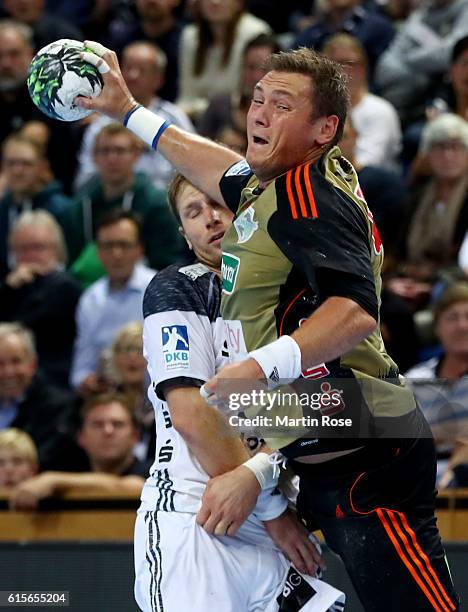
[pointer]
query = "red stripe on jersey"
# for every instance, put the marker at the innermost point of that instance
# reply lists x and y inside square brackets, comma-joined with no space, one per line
[292,203]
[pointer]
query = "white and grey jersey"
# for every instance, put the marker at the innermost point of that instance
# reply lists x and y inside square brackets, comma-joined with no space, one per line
[184,345]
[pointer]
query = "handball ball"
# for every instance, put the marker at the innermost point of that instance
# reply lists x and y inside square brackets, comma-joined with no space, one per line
[57,75]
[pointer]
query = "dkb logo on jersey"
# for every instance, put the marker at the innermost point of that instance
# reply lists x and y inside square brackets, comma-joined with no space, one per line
[175,346]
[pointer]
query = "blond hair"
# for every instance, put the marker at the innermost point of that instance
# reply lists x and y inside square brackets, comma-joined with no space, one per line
[23,333]
[21,442]
[39,217]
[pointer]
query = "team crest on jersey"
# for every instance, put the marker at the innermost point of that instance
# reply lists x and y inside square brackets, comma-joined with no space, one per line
[175,347]
[239,169]
[246,225]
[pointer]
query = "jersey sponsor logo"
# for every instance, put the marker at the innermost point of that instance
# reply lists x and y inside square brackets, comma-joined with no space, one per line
[175,347]
[235,340]
[246,225]
[229,270]
[297,592]
[241,168]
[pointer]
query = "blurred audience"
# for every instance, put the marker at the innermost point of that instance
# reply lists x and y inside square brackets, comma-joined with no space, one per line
[211,52]
[143,67]
[355,17]
[376,121]
[30,403]
[39,293]
[438,215]
[116,152]
[29,186]
[131,377]
[230,109]
[112,301]
[420,54]
[46,27]
[441,383]
[18,457]
[154,21]
[107,434]
[385,190]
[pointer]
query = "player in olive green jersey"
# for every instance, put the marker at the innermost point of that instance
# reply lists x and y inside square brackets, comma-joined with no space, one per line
[303,245]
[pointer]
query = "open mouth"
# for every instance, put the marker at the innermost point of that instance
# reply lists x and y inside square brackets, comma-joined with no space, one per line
[217,236]
[258,140]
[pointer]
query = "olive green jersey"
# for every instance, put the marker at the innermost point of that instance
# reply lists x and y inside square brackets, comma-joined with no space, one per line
[307,236]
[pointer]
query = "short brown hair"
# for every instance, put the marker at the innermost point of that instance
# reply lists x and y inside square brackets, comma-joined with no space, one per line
[330,95]
[103,399]
[174,188]
[115,129]
[458,292]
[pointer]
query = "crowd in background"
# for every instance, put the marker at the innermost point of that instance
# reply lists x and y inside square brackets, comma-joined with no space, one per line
[84,222]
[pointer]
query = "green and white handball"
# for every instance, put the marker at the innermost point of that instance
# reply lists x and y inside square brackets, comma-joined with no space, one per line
[57,75]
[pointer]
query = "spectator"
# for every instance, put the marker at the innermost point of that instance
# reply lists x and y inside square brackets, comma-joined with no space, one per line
[420,54]
[376,121]
[144,67]
[452,97]
[30,186]
[46,27]
[108,434]
[30,403]
[16,106]
[18,457]
[116,151]
[40,294]
[439,216]
[354,17]
[230,109]
[233,138]
[155,22]
[112,301]
[385,190]
[441,383]
[131,377]
[211,52]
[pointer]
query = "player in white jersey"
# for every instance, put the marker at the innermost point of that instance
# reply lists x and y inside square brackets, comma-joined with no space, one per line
[179,566]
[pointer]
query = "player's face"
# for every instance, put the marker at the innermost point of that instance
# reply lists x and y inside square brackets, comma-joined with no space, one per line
[17,367]
[452,329]
[108,434]
[34,245]
[204,223]
[281,133]
[14,467]
[119,250]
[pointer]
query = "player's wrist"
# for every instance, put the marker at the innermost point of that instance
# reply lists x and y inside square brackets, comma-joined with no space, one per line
[280,360]
[263,470]
[145,124]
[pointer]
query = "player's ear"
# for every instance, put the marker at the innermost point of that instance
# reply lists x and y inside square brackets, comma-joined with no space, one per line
[327,129]
[181,230]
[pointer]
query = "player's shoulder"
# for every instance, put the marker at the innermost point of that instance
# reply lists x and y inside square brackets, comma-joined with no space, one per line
[188,288]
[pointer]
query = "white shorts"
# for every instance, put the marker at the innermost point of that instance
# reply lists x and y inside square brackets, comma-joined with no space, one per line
[181,568]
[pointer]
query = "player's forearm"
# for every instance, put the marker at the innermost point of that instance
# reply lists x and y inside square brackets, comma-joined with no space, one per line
[200,160]
[214,443]
[335,328]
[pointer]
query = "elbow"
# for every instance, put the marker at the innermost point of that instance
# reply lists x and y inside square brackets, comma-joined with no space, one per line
[186,422]
[367,324]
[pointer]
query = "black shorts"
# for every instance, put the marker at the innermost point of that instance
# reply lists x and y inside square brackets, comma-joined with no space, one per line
[375,508]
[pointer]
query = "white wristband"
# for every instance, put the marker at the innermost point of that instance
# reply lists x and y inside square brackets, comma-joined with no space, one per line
[265,471]
[280,360]
[146,125]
